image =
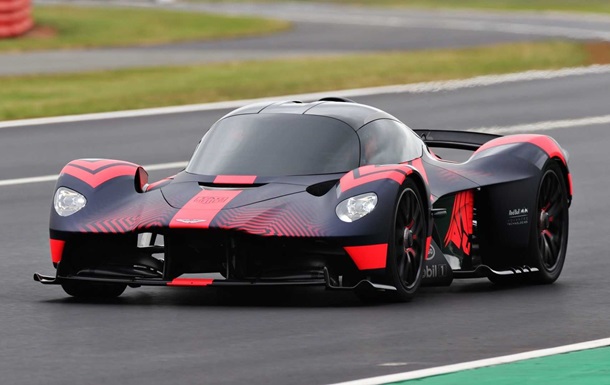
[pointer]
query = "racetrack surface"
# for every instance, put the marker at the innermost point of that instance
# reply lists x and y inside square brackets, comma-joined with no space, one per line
[319,29]
[164,335]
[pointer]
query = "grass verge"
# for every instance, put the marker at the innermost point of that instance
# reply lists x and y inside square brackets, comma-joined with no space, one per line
[50,95]
[596,6]
[63,27]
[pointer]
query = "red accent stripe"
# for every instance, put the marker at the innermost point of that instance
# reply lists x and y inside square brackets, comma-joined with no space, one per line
[202,208]
[369,256]
[96,172]
[428,243]
[570,187]
[369,174]
[546,143]
[460,227]
[159,182]
[190,282]
[235,179]
[94,165]
[57,250]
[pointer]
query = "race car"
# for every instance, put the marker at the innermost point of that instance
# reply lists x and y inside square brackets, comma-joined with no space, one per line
[331,193]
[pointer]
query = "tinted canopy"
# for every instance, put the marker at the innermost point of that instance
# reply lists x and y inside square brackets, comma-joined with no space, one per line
[276,145]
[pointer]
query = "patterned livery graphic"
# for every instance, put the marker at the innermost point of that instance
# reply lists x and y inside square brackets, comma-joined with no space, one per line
[369,174]
[133,218]
[94,172]
[294,220]
[460,228]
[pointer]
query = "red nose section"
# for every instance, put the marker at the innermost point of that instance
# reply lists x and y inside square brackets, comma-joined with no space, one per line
[202,208]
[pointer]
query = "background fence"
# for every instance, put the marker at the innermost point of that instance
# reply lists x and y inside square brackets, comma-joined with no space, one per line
[15,17]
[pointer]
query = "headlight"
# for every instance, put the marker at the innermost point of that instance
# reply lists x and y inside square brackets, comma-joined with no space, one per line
[67,201]
[356,207]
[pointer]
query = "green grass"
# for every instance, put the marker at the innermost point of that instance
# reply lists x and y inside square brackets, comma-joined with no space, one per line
[48,95]
[597,6]
[62,27]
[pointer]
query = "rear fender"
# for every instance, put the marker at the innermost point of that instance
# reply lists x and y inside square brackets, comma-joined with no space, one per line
[547,144]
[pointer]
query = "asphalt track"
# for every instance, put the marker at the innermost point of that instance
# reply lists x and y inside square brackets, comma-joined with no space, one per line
[167,335]
[319,29]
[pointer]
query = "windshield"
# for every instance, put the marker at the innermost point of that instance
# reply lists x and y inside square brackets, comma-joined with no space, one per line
[276,145]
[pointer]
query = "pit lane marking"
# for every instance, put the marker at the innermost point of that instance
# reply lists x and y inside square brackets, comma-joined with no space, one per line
[416,374]
[414,88]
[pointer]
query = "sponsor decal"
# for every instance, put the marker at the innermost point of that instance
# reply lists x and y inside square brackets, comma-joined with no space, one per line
[431,253]
[190,221]
[517,212]
[518,216]
[202,208]
[211,200]
[436,271]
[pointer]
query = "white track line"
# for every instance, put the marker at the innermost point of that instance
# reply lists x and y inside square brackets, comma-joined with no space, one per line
[416,88]
[52,178]
[478,364]
[544,126]
[460,25]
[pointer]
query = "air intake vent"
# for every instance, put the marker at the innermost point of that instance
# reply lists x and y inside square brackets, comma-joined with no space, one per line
[229,186]
[320,189]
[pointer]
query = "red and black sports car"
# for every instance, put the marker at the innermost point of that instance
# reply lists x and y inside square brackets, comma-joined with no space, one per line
[329,193]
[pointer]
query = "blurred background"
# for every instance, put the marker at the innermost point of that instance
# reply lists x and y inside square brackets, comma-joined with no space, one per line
[142,53]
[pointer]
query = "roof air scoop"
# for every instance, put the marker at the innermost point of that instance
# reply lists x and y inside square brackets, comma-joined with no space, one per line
[336,99]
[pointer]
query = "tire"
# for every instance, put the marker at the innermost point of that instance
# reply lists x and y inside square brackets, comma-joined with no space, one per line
[403,270]
[93,290]
[406,245]
[549,237]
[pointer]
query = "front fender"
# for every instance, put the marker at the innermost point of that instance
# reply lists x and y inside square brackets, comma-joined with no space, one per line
[386,181]
[105,183]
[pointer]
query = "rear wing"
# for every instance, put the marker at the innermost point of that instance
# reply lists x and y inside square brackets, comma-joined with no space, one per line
[461,140]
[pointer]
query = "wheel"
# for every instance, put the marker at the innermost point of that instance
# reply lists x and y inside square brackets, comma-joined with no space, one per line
[90,290]
[549,238]
[407,245]
[406,249]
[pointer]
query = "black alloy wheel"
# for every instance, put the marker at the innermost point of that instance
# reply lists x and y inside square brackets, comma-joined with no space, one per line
[407,249]
[550,230]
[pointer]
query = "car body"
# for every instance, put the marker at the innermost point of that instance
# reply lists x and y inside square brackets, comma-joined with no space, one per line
[331,193]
